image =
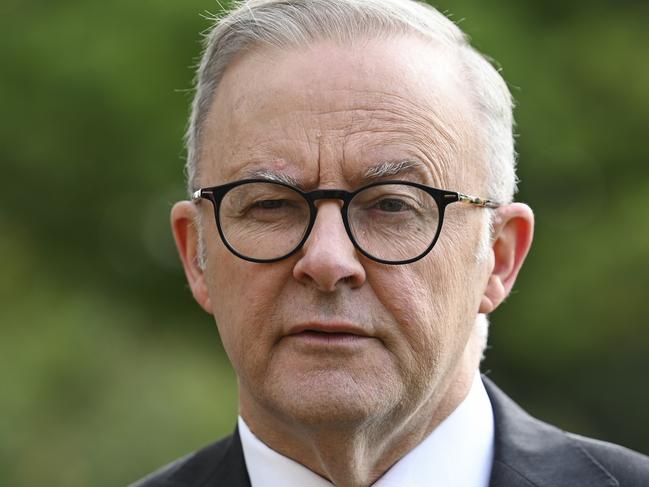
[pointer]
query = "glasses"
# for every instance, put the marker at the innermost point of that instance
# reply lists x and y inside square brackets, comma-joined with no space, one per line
[391,222]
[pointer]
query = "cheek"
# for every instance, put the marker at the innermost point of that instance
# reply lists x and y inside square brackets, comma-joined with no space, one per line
[409,296]
[244,297]
[432,306]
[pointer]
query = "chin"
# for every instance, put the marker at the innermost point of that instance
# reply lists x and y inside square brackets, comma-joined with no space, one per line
[334,399]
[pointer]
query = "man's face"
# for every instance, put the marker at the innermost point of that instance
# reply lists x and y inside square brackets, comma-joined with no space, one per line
[327,336]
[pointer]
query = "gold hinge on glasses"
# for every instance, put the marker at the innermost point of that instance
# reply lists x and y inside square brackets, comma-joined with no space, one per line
[474,200]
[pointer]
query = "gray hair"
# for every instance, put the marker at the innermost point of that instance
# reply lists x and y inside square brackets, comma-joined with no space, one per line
[293,23]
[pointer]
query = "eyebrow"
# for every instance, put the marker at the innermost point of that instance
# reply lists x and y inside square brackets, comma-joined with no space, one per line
[391,168]
[270,175]
[379,170]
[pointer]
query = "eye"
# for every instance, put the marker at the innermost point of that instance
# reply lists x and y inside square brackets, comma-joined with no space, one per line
[269,204]
[275,209]
[392,205]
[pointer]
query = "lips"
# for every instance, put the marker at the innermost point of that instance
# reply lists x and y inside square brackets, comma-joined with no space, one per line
[326,335]
[316,328]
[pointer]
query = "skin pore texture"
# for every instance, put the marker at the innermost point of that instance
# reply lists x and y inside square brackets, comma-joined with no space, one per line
[402,350]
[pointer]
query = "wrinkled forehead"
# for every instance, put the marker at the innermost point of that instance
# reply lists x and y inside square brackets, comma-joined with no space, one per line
[375,100]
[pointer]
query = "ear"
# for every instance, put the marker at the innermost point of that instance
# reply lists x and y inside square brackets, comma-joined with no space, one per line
[511,240]
[183,225]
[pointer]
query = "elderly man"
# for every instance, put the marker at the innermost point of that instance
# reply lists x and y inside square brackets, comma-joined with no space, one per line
[351,166]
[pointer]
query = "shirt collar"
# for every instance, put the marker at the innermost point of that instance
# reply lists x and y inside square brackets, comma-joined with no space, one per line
[459,453]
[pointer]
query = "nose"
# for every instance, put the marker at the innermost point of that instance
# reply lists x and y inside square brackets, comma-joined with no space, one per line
[329,258]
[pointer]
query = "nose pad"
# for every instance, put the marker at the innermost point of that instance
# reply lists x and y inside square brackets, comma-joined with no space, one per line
[329,257]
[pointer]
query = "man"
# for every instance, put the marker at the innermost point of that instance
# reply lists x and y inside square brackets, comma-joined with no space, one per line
[351,167]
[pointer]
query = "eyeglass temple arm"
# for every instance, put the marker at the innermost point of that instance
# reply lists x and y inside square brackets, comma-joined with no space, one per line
[474,200]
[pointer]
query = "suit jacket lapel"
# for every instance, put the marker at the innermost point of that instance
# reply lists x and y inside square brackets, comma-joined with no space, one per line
[529,452]
[231,470]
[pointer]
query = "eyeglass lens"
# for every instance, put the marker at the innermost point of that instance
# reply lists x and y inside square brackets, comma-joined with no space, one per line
[392,222]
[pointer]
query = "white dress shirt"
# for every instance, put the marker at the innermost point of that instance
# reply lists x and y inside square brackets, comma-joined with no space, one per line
[458,453]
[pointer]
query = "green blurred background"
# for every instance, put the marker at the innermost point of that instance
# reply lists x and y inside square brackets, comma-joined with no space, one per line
[108,367]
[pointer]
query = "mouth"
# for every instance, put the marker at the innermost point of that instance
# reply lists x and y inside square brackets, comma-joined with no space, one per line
[328,334]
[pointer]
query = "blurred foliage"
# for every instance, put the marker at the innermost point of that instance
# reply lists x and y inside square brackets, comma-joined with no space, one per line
[108,367]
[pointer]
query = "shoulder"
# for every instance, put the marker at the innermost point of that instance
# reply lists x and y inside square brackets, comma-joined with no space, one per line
[220,463]
[531,452]
[627,466]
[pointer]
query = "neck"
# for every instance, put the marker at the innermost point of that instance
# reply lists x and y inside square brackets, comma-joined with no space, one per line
[357,455]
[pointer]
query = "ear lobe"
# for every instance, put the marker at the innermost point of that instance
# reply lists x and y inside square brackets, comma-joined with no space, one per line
[513,232]
[183,226]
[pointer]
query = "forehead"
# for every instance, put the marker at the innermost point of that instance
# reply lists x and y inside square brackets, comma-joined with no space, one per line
[328,111]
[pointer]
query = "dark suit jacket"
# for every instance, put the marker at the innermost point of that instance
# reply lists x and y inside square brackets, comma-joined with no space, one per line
[528,453]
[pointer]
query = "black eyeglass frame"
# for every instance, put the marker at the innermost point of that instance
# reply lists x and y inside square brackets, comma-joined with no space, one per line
[442,197]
